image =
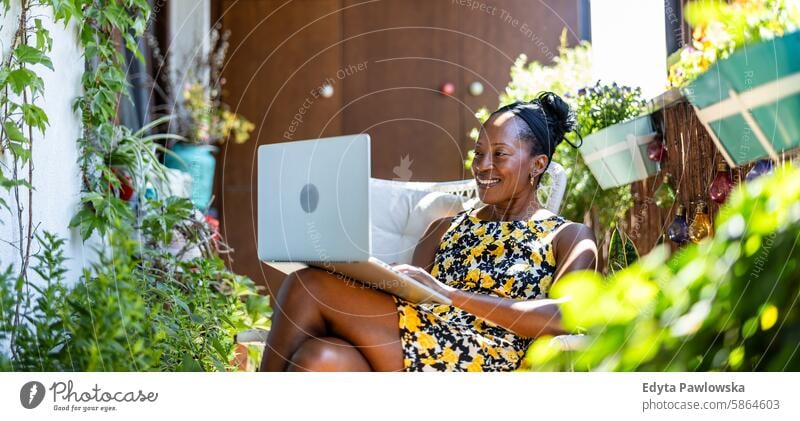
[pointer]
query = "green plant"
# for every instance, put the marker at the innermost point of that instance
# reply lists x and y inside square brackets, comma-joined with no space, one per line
[719,28]
[728,303]
[126,315]
[596,108]
[143,305]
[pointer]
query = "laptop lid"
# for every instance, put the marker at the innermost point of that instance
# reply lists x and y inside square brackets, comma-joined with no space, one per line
[313,200]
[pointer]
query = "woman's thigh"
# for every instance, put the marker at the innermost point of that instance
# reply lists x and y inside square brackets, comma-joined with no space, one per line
[363,316]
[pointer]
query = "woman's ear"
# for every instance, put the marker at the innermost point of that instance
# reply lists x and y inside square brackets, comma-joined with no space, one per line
[538,165]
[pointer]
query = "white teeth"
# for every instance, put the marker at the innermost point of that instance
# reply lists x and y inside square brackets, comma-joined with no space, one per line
[487,183]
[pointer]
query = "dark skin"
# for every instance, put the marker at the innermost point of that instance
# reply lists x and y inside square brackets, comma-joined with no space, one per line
[322,323]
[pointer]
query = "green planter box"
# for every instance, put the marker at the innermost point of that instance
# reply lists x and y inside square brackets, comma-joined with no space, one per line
[750,102]
[617,155]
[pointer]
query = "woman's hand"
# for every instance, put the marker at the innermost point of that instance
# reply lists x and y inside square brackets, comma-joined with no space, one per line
[425,278]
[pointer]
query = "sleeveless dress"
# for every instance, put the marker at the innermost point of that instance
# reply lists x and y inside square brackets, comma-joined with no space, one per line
[511,259]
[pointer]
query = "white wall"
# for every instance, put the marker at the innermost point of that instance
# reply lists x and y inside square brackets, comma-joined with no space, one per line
[56,175]
[189,24]
[629,44]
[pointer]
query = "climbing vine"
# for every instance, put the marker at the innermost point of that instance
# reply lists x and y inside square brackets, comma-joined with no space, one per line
[159,296]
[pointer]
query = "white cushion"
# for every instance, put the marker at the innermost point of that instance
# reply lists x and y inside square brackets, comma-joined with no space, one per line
[400,216]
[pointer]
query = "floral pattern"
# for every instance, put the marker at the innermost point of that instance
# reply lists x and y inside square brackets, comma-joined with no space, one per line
[512,259]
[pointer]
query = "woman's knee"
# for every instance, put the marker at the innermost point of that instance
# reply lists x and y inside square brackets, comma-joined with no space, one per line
[302,283]
[327,354]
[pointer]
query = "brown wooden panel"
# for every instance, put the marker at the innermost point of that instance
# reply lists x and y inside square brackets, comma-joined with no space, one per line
[410,48]
[280,53]
[692,160]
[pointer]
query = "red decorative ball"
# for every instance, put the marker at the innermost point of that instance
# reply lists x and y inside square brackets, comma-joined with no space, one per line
[447,89]
[656,150]
[125,189]
[125,186]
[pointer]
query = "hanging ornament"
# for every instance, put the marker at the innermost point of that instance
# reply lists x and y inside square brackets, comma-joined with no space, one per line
[656,150]
[475,88]
[761,167]
[447,89]
[678,231]
[721,186]
[701,225]
[664,195]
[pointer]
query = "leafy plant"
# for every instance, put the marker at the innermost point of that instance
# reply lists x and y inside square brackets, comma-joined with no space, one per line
[125,314]
[728,303]
[144,305]
[720,27]
[596,108]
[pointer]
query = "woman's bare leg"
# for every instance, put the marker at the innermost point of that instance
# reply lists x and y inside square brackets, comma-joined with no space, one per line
[313,303]
[328,354]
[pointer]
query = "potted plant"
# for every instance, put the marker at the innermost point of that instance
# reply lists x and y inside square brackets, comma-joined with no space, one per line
[615,146]
[747,98]
[205,121]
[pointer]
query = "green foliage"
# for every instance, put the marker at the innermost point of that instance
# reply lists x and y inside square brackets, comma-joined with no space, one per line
[142,306]
[728,303]
[126,315]
[40,334]
[596,108]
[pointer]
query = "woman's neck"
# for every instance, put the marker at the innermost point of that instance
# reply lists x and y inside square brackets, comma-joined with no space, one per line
[515,209]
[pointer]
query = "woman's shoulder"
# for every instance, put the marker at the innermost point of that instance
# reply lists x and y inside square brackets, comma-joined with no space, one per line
[569,234]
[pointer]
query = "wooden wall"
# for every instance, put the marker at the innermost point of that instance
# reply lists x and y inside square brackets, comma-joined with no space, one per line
[692,160]
[386,61]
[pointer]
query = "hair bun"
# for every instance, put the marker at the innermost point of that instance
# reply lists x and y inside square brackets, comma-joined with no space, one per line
[559,115]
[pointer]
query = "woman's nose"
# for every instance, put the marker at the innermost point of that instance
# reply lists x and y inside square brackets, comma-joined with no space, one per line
[481,163]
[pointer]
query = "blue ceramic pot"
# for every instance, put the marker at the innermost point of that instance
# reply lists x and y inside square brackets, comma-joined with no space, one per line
[199,162]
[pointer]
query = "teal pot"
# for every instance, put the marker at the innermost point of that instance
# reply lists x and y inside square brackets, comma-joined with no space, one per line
[750,102]
[199,162]
[617,155]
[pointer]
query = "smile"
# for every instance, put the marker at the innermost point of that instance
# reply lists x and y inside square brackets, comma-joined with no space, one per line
[487,183]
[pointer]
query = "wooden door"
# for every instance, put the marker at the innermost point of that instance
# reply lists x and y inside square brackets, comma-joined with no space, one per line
[278,58]
[410,49]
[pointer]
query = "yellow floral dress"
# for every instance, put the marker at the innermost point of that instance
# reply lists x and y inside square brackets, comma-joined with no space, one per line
[512,259]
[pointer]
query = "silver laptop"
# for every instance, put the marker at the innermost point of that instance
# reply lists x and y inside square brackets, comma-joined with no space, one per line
[313,208]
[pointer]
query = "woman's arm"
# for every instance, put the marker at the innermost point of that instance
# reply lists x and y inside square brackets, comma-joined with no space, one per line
[425,252]
[574,248]
[526,318]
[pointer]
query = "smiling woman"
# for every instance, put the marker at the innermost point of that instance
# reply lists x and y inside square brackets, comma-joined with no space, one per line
[496,265]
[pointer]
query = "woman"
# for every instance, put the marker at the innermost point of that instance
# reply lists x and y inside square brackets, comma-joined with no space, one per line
[496,264]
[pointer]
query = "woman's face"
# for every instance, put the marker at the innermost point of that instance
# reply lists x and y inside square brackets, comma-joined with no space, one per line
[503,161]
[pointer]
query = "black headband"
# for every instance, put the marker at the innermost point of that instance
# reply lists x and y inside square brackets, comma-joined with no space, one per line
[527,112]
